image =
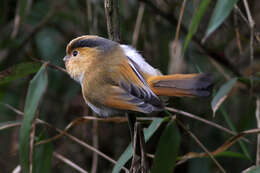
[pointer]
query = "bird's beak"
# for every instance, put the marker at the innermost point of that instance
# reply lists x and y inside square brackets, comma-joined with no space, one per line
[66,58]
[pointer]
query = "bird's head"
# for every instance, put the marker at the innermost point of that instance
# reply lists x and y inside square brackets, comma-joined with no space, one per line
[85,51]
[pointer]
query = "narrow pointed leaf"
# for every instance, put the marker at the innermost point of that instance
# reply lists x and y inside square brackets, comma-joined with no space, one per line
[18,71]
[254,170]
[167,150]
[195,21]
[221,12]
[42,156]
[34,94]
[222,94]
[233,128]
[127,154]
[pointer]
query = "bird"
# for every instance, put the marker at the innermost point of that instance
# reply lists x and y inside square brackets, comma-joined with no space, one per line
[115,79]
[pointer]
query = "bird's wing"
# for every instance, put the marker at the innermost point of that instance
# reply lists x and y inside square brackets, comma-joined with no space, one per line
[131,91]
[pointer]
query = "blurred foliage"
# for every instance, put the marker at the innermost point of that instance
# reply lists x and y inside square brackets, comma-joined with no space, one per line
[34,32]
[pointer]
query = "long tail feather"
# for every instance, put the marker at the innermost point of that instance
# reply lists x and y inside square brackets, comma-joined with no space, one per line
[187,85]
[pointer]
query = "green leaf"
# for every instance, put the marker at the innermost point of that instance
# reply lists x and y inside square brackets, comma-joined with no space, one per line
[42,156]
[35,92]
[18,71]
[233,128]
[167,151]
[195,21]
[232,154]
[127,154]
[221,12]
[222,94]
[254,170]
[247,81]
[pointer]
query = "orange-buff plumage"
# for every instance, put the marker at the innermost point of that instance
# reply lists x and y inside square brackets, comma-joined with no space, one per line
[115,78]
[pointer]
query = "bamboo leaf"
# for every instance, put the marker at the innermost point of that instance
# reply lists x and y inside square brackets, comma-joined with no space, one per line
[222,95]
[195,21]
[42,156]
[35,92]
[233,128]
[254,170]
[167,151]
[221,12]
[18,71]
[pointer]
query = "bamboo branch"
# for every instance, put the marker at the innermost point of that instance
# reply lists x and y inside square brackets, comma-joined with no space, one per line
[112,17]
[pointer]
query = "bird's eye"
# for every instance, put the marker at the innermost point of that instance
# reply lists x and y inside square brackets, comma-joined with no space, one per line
[75,53]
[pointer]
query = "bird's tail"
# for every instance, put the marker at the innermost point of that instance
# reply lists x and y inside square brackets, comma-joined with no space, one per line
[181,85]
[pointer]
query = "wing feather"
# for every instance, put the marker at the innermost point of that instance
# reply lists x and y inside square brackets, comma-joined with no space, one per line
[132,92]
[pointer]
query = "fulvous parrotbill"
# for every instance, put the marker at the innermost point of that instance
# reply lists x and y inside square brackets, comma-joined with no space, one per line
[115,78]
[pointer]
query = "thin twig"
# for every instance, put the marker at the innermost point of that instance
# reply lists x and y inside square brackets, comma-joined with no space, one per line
[89,17]
[135,165]
[257,114]
[138,24]
[251,26]
[201,145]
[95,144]
[50,64]
[201,119]
[69,136]
[144,163]
[68,162]
[179,21]
[237,33]
[112,17]
[82,143]
[241,14]
[17,20]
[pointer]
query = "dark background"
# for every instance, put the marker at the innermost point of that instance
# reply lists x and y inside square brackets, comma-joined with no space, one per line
[44,29]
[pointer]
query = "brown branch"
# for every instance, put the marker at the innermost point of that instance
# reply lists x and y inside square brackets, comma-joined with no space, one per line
[138,24]
[69,162]
[144,163]
[257,114]
[201,145]
[82,143]
[50,65]
[89,17]
[95,144]
[112,17]
[251,26]
[239,45]
[179,21]
[202,120]
[135,166]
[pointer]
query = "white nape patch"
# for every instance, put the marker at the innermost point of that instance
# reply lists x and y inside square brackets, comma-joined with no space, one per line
[139,60]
